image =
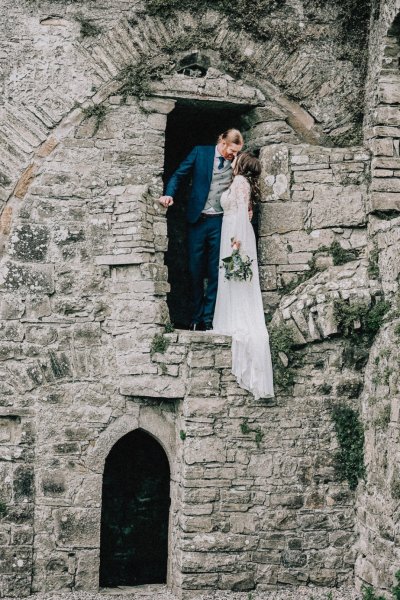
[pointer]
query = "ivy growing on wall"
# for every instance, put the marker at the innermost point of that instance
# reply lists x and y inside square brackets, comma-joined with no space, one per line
[282,343]
[159,344]
[369,319]
[88,28]
[98,112]
[339,255]
[349,459]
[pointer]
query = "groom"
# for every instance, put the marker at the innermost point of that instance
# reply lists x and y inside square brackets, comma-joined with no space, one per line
[211,171]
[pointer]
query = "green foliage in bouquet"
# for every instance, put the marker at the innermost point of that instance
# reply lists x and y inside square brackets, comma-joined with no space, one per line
[237,266]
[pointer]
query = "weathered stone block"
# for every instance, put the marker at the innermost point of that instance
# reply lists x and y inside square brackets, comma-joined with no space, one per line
[204,450]
[204,383]
[23,483]
[294,558]
[391,184]
[317,176]
[387,115]
[323,577]
[25,181]
[333,206]
[203,562]
[281,217]
[272,250]
[384,201]
[29,242]
[237,582]
[53,484]
[151,386]
[29,279]
[382,146]
[77,527]
[268,279]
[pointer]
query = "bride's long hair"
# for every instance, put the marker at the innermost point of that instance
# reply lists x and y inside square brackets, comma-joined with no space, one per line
[249,166]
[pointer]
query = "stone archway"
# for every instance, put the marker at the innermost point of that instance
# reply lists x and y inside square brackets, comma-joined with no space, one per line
[135,513]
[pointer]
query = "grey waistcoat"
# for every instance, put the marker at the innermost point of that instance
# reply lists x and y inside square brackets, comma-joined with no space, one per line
[220,182]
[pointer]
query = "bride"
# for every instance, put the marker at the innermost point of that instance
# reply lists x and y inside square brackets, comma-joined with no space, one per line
[239,309]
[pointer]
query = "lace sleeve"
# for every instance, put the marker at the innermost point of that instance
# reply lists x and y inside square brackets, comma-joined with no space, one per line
[242,190]
[243,230]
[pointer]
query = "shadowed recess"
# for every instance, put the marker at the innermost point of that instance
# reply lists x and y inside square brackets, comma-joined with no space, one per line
[135,508]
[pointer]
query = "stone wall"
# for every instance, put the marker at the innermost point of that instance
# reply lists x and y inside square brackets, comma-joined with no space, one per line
[312,198]
[17,496]
[255,498]
[261,505]
[84,286]
[378,498]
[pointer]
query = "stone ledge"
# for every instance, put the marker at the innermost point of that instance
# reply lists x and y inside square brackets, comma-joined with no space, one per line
[119,259]
[385,201]
[203,337]
[153,386]
[16,412]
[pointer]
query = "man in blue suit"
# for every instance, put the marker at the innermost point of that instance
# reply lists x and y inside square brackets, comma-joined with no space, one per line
[211,171]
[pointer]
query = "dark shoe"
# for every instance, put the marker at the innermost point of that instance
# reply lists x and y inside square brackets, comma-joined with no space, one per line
[208,325]
[197,326]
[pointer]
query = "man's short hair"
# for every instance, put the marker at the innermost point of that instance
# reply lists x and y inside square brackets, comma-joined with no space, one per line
[231,136]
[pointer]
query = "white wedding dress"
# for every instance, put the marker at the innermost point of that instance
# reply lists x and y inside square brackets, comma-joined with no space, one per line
[239,309]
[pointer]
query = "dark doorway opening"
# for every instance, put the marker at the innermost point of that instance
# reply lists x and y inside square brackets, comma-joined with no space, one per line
[191,123]
[135,509]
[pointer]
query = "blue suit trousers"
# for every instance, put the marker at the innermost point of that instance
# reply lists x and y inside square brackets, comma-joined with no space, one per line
[204,239]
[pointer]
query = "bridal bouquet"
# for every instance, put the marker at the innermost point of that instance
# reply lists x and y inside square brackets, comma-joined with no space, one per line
[237,266]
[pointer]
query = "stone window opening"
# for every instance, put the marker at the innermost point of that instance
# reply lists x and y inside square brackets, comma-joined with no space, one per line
[195,64]
[135,513]
[191,123]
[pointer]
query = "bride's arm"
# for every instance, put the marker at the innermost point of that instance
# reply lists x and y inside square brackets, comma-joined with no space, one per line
[242,192]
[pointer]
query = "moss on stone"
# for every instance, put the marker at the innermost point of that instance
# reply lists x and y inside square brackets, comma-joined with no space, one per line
[396,588]
[350,389]
[340,255]
[159,344]
[324,389]
[373,263]
[136,78]
[282,343]
[383,419]
[369,318]
[169,327]
[368,593]
[395,488]
[88,28]
[245,429]
[4,179]
[294,283]
[98,111]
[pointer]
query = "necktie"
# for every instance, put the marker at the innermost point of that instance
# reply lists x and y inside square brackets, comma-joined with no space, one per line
[221,163]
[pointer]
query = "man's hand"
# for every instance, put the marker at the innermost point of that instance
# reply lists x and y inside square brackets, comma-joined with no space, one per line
[166,201]
[250,214]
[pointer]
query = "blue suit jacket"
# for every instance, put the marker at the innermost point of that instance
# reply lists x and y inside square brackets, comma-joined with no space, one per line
[199,163]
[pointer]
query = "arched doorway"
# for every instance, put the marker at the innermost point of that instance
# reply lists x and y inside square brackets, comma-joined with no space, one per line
[135,510]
